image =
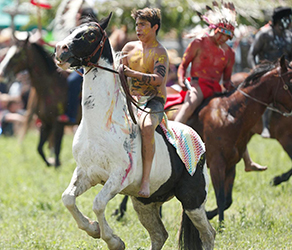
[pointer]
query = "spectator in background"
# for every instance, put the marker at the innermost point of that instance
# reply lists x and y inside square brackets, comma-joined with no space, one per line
[19,89]
[12,118]
[174,62]
[271,42]
[119,37]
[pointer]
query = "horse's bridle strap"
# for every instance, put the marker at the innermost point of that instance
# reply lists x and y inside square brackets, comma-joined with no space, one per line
[285,86]
[100,45]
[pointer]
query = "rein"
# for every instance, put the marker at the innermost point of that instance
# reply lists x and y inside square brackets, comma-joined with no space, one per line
[285,86]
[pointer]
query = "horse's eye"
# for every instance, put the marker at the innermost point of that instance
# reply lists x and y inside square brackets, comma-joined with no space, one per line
[90,36]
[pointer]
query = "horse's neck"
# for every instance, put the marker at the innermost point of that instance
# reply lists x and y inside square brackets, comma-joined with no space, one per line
[102,101]
[50,85]
[38,70]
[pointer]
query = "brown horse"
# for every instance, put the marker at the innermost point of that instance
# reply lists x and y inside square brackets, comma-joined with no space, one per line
[280,129]
[50,86]
[225,123]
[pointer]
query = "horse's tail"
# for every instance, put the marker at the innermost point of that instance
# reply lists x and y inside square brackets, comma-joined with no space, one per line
[189,237]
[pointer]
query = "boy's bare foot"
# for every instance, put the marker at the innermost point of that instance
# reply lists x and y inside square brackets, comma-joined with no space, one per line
[144,190]
[255,167]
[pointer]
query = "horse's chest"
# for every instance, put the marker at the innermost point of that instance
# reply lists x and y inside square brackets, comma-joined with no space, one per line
[88,149]
[87,154]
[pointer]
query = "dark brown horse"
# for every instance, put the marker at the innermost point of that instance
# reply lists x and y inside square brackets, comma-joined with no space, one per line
[280,129]
[50,86]
[225,122]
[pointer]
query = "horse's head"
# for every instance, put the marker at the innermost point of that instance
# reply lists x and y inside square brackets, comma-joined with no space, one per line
[283,93]
[15,59]
[84,46]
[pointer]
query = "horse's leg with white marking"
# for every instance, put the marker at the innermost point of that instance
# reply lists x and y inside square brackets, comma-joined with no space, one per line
[78,185]
[207,232]
[151,220]
[109,190]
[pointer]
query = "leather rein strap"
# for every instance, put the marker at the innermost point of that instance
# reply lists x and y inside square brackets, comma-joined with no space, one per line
[129,97]
[285,87]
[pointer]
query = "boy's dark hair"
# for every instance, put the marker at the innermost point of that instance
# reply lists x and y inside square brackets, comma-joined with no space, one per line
[152,15]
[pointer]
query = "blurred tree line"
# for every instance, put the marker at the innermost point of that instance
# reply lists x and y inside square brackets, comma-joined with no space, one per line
[178,16]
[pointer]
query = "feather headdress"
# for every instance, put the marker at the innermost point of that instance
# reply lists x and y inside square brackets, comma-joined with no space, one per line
[221,18]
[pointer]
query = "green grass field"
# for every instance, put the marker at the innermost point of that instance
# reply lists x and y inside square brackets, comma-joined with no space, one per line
[32,215]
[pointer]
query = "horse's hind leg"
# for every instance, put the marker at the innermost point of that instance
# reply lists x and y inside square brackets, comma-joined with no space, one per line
[281,178]
[196,231]
[79,184]
[59,132]
[199,219]
[150,218]
[122,208]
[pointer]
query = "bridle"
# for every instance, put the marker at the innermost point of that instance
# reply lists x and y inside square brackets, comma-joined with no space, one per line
[88,58]
[285,87]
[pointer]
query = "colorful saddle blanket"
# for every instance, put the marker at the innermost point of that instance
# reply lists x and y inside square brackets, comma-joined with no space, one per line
[188,143]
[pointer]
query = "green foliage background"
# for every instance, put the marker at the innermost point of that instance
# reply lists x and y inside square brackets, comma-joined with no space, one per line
[176,14]
[32,215]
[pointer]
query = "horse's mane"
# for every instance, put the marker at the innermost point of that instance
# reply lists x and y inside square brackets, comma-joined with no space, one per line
[51,66]
[259,71]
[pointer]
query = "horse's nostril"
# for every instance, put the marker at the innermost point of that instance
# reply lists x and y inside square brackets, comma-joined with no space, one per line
[65,48]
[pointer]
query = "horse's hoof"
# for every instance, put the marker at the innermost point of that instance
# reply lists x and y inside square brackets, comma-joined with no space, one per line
[275,181]
[221,227]
[58,165]
[51,161]
[210,215]
[120,244]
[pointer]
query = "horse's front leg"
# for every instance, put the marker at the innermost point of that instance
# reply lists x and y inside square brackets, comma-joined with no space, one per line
[78,185]
[111,188]
[217,172]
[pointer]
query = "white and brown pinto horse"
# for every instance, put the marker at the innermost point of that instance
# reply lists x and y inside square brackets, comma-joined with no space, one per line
[107,150]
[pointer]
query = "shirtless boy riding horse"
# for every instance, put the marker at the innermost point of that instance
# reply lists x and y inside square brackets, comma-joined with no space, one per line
[146,62]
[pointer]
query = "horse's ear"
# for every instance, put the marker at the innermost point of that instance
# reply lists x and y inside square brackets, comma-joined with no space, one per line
[283,63]
[104,22]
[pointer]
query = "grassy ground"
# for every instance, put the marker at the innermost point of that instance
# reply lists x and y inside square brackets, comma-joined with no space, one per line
[32,215]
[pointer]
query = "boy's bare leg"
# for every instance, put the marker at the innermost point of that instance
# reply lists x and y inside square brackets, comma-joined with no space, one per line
[148,150]
[250,165]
